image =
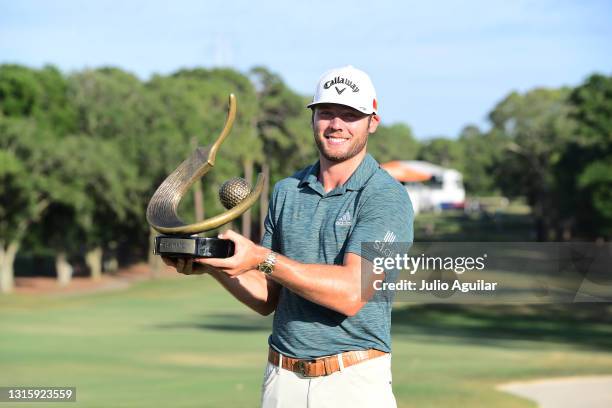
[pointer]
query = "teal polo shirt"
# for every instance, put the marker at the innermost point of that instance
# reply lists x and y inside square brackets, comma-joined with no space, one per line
[311,226]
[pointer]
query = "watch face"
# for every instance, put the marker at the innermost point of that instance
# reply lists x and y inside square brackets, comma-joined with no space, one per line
[266,268]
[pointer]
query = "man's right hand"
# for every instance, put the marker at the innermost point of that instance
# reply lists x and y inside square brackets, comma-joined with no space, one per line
[186,266]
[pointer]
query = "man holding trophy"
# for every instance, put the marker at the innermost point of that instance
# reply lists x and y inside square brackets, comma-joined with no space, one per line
[330,345]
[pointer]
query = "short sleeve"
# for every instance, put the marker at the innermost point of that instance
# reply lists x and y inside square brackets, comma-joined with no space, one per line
[269,223]
[385,220]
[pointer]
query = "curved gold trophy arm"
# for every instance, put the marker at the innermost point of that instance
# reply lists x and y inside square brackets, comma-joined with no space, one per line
[162,209]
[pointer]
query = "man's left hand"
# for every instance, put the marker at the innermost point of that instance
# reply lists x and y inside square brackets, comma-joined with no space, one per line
[247,255]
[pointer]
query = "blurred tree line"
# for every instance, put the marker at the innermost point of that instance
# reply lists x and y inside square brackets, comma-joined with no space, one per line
[552,147]
[81,154]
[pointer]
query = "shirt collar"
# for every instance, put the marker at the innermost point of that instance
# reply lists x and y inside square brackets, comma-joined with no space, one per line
[311,176]
[360,176]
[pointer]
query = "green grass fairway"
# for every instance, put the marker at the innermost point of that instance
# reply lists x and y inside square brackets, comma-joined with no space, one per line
[511,225]
[185,343]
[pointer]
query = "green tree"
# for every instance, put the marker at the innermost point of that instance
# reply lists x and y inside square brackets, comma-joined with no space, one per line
[34,110]
[284,129]
[115,112]
[481,154]
[584,172]
[443,152]
[21,200]
[283,124]
[27,188]
[21,94]
[41,95]
[394,142]
[537,129]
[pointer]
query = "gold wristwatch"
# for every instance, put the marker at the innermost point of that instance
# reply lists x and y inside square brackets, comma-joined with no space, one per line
[267,266]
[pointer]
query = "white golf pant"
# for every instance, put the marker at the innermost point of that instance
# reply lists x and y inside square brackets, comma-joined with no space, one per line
[367,384]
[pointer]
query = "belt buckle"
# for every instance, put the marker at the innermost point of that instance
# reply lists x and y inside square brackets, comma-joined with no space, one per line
[301,367]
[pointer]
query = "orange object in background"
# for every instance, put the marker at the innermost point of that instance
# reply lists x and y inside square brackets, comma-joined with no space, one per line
[402,172]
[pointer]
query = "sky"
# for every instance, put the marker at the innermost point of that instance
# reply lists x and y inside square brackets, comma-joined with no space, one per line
[437,65]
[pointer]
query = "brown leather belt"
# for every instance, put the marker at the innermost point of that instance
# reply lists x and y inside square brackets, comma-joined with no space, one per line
[323,365]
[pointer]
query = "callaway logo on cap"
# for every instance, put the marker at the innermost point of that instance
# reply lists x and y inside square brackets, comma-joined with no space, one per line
[346,86]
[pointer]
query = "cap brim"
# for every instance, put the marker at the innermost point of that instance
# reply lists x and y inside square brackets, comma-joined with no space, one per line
[364,111]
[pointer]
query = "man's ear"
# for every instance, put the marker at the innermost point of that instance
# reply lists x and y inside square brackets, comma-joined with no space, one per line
[374,122]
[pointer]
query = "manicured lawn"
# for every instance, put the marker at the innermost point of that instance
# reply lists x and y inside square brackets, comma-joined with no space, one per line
[186,343]
[510,225]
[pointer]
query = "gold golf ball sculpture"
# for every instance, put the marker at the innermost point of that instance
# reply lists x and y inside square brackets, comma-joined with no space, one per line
[233,191]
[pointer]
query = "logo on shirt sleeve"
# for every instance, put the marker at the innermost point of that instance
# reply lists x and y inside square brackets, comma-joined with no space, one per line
[390,237]
[345,221]
[381,246]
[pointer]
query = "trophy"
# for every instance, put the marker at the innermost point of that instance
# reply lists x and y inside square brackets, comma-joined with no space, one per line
[180,239]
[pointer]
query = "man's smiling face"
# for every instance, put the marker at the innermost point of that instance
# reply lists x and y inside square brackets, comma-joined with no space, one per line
[341,132]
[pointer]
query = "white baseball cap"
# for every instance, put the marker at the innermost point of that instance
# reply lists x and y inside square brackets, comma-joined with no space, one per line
[347,86]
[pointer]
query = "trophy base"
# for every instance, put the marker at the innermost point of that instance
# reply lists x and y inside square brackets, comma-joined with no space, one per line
[174,246]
